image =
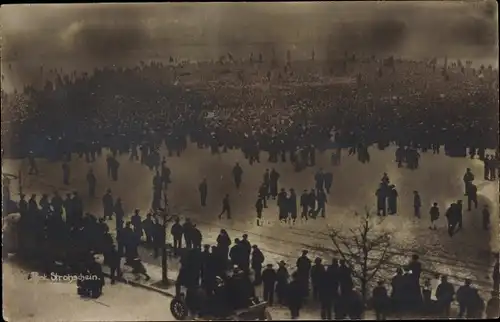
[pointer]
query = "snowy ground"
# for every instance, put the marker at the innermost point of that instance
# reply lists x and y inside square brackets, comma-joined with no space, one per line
[439,179]
[36,300]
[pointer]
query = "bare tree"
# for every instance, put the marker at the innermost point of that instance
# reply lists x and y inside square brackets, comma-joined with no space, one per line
[365,248]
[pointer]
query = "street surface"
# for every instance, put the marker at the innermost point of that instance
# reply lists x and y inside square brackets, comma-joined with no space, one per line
[36,300]
[439,179]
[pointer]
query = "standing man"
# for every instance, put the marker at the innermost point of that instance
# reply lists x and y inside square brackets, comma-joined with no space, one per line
[273,184]
[434,212]
[257,261]
[187,230]
[471,196]
[328,178]
[381,195]
[107,204]
[322,202]
[203,189]
[269,278]
[303,271]
[259,206]
[292,206]
[237,175]
[91,180]
[304,204]
[226,207]
[468,178]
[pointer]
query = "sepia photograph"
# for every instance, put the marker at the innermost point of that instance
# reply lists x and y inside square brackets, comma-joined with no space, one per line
[330,160]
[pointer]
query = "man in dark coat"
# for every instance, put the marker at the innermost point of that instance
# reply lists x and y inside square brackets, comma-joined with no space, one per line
[464,298]
[295,296]
[303,271]
[57,204]
[223,243]
[264,194]
[322,202]
[292,206]
[451,217]
[444,295]
[237,175]
[136,221]
[91,180]
[471,196]
[147,226]
[380,300]
[187,232]
[269,278]
[226,207]
[381,195]
[77,206]
[196,237]
[246,249]
[267,182]
[434,212]
[282,277]
[259,207]
[468,179]
[177,231]
[319,179]
[312,204]
[114,261]
[328,177]
[317,277]
[107,204]
[392,200]
[282,205]
[304,205]
[203,189]
[236,253]
[273,183]
[345,278]
[159,239]
[257,261]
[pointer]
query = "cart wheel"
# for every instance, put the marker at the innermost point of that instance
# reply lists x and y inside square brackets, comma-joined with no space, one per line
[178,309]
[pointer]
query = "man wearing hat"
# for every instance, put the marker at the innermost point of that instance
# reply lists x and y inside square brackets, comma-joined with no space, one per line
[107,204]
[282,282]
[269,277]
[136,221]
[304,204]
[317,276]
[464,297]
[257,260]
[303,270]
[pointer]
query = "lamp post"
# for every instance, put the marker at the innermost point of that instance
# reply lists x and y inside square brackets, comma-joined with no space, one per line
[165,213]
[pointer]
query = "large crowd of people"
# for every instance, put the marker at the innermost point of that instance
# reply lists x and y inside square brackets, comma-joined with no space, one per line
[412,103]
[288,111]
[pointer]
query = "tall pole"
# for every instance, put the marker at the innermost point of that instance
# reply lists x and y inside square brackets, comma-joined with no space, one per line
[164,263]
[164,267]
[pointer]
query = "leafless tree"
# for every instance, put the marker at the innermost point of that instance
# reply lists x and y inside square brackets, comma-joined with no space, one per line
[364,248]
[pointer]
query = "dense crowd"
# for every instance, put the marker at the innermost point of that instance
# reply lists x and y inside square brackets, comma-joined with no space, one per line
[56,230]
[225,105]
